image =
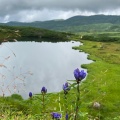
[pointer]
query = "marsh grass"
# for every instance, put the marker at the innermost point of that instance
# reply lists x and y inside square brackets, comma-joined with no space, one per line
[103,79]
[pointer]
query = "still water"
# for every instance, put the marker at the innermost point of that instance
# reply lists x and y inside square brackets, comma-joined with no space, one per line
[28,66]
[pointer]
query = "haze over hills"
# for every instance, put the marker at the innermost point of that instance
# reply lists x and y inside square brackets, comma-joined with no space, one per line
[77,24]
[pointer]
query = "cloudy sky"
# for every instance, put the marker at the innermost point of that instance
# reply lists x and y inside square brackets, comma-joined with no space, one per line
[41,10]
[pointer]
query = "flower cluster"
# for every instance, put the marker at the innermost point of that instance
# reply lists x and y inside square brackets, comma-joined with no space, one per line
[56,115]
[66,87]
[79,75]
[43,90]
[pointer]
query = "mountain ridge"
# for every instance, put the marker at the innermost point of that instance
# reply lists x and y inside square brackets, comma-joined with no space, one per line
[75,23]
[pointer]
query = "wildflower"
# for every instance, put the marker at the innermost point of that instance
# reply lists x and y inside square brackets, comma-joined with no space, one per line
[82,74]
[30,94]
[56,115]
[76,73]
[66,88]
[79,75]
[43,90]
[66,117]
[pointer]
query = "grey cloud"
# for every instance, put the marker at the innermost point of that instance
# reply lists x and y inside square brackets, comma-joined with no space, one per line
[15,9]
[12,6]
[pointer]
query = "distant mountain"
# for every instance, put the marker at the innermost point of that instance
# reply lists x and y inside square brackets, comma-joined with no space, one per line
[77,23]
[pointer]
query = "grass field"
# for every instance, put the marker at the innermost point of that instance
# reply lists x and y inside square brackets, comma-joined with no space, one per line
[103,79]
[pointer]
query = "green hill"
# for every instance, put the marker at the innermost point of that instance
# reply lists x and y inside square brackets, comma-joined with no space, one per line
[77,23]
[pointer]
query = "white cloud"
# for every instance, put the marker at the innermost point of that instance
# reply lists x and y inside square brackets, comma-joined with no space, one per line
[6,18]
[110,12]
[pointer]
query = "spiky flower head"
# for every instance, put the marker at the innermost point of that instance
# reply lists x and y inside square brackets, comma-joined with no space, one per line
[43,90]
[66,117]
[79,75]
[66,87]
[56,115]
[30,94]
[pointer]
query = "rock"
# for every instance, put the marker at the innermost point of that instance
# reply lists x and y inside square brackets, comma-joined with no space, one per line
[96,105]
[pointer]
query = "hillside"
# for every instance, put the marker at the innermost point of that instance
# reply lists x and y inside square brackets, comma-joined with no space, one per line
[77,24]
[11,33]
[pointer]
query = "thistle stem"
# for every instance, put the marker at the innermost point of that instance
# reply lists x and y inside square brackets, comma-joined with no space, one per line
[66,105]
[43,104]
[77,102]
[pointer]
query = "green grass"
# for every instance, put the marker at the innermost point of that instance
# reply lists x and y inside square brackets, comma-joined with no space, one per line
[103,78]
[102,83]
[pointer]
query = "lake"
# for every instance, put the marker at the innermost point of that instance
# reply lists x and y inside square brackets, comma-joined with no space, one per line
[28,66]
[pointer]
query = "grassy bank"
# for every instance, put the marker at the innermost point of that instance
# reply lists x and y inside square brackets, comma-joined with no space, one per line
[102,84]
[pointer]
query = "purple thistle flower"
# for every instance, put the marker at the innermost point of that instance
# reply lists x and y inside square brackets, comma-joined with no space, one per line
[66,87]
[66,117]
[43,90]
[79,75]
[76,73]
[56,115]
[82,74]
[30,94]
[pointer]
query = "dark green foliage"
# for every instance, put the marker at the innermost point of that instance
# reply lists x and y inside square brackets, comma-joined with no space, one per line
[88,37]
[16,97]
[102,37]
[10,33]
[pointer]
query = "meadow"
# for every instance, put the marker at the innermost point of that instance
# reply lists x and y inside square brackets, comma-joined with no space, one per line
[102,81]
[99,93]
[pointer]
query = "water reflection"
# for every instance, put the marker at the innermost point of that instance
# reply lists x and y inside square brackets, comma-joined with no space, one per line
[51,64]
